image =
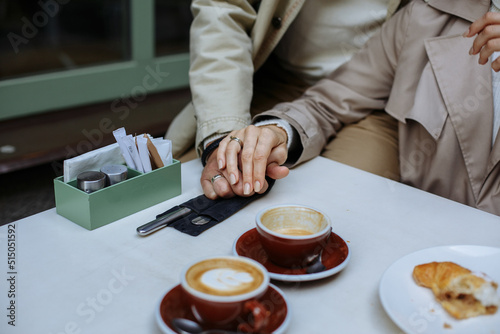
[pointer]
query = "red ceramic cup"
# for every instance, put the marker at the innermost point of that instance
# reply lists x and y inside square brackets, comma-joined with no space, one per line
[223,289]
[293,235]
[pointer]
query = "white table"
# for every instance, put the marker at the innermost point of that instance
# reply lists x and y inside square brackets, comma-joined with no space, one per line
[71,280]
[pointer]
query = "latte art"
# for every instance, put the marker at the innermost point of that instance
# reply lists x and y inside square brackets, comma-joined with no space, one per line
[224,277]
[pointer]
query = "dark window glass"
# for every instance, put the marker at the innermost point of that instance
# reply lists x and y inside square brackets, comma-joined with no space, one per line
[172,21]
[50,35]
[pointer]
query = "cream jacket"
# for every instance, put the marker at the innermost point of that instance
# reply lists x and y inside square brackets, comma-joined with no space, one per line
[419,70]
[225,52]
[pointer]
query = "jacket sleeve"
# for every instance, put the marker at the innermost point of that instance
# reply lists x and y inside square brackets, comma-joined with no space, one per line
[221,69]
[349,94]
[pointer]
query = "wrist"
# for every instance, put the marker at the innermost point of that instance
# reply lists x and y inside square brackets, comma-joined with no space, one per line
[280,124]
[280,133]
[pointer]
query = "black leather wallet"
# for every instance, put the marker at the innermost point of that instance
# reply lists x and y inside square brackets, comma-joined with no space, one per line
[205,213]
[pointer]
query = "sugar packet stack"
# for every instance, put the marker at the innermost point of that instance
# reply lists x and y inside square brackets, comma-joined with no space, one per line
[151,152]
[142,152]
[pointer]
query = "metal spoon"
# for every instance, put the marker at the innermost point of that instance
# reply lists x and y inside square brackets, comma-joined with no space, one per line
[316,266]
[186,326]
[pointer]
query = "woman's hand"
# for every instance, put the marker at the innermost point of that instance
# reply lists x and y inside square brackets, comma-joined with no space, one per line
[487,40]
[247,155]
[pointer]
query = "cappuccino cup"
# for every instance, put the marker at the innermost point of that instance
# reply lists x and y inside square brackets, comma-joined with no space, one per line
[225,289]
[293,235]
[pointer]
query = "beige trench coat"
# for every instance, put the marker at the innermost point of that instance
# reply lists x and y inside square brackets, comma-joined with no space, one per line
[418,68]
[224,55]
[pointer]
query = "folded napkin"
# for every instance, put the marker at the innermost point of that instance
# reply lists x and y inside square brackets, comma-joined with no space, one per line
[210,212]
[92,160]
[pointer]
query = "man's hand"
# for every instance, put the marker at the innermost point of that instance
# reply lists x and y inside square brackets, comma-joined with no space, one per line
[220,187]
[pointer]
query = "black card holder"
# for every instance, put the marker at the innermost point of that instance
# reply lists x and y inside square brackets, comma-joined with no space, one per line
[207,213]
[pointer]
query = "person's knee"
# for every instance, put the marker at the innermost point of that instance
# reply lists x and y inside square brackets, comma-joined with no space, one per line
[370,145]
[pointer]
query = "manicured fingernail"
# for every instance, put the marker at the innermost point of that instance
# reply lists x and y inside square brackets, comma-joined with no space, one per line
[466,33]
[257,186]
[246,190]
[232,179]
[471,51]
[220,164]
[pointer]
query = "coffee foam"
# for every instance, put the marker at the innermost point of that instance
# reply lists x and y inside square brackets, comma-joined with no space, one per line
[293,231]
[294,220]
[224,277]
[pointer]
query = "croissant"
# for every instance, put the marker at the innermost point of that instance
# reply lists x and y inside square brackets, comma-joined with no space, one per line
[462,293]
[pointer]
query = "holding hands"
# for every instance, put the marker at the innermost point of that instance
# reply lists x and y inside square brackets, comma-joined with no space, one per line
[243,159]
[487,40]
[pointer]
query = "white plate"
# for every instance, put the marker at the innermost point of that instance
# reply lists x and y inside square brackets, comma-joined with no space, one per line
[414,309]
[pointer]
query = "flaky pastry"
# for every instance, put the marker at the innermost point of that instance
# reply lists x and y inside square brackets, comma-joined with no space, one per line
[462,293]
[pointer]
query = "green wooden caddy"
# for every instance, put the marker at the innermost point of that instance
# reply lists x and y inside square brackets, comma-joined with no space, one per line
[138,192]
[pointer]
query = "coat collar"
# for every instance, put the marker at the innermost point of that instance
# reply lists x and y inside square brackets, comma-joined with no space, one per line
[470,10]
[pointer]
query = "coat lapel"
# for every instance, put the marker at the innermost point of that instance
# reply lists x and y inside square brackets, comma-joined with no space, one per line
[265,35]
[466,90]
[265,14]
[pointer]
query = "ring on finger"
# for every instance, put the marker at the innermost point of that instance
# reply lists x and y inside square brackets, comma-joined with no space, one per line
[236,139]
[215,177]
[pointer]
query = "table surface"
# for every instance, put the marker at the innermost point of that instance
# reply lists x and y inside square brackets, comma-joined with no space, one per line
[110,280]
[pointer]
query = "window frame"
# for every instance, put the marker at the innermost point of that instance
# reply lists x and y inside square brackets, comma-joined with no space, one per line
[118,82]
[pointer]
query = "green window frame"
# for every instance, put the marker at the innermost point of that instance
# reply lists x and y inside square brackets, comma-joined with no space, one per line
[119,82]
